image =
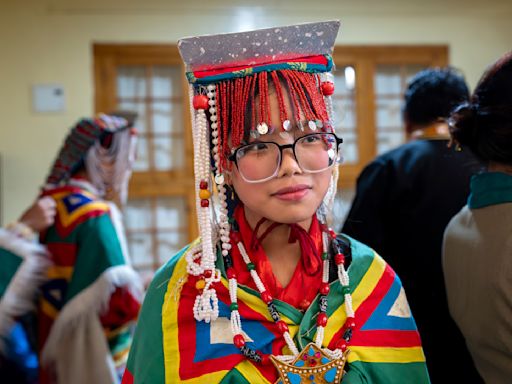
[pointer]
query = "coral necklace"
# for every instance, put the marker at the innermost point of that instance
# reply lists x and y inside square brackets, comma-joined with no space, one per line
[313,363]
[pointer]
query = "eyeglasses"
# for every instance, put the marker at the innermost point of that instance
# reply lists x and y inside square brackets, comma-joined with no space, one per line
[260,161]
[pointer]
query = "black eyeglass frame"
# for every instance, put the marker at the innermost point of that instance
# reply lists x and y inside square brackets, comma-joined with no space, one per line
[282,147]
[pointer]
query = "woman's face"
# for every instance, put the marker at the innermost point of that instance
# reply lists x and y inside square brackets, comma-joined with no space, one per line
[293,196]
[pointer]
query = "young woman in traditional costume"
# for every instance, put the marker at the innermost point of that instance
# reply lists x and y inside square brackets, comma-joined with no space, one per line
[92,295]
[270,293]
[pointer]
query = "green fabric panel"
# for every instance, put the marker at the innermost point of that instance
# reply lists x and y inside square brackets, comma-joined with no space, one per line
[146,359]
[490,188]
[362,257]
[234,377]
[9,263]
[52,236]
[386,373]
[98,249]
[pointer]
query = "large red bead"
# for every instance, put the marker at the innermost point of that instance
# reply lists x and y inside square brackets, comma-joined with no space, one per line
[239,340]
[321,321]
[332,234]
[266,297]
[350,322]
[230,273]
[281,325]
[304,304]
[203,184]
[327,88]
[339,259]
[200,102]
[205,203]
[324,288]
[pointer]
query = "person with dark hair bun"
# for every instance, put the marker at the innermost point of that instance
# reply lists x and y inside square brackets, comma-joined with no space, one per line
[404,200]
[477,254]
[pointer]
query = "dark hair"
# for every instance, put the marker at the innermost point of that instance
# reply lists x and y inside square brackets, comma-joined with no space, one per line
[432,94]
[485,123]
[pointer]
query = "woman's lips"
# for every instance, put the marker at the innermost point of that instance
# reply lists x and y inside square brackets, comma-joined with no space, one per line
[293,193]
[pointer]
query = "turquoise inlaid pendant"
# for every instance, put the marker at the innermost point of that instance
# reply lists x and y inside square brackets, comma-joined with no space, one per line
[312,366]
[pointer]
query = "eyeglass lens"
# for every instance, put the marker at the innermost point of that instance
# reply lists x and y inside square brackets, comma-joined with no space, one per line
[261,160]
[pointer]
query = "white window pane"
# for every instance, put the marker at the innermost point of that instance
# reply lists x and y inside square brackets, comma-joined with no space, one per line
[341,206]
[137,214]
[140,249]
[345,119]
[387,80]
[389,141]
[349,149]
[171,213]
[169,153]
[131,82]
[345,115]
[142,160]
[169,243]
[389,114]
[343,86]
[162,117]
[140,109]
[167,117]
[166,81]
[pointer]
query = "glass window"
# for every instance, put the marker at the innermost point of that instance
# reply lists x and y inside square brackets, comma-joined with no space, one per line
[156,229]
[155,93]
[344,107]
[390,85]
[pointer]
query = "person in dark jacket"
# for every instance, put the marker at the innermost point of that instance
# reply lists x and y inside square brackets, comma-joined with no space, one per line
[404,200]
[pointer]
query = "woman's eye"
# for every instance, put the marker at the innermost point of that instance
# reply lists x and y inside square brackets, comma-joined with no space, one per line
[256,147]
[310,139]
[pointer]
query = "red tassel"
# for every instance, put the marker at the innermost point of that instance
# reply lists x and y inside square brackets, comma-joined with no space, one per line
[280,99]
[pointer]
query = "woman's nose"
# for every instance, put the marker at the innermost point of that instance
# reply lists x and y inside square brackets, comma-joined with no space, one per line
[289,165]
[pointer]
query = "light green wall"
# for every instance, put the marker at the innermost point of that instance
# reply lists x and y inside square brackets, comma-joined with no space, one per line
[49,41]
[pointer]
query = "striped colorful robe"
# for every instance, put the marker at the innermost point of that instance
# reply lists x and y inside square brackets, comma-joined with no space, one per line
[92,296]
[170,346]
[23,266]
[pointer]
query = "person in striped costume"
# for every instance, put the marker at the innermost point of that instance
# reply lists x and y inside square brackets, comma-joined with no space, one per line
[269,293]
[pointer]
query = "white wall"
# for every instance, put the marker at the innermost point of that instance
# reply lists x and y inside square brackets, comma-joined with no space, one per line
[49,41]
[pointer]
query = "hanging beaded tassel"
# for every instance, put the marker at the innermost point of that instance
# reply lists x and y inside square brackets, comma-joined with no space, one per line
[206,305]
[328,239]
[219,177]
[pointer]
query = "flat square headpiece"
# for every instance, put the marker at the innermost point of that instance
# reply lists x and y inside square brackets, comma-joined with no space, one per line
[304,47]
